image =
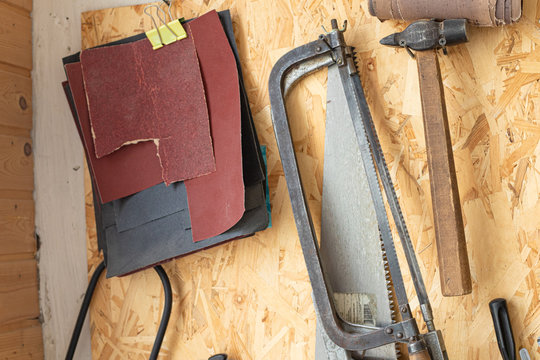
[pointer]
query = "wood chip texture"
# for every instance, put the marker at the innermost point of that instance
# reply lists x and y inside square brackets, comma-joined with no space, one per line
[252,298]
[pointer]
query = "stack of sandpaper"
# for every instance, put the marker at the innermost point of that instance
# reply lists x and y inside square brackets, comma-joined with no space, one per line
[170,142]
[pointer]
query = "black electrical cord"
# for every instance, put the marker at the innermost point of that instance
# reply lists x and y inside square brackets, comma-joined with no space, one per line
[166,312]
[84,309]
[88,297]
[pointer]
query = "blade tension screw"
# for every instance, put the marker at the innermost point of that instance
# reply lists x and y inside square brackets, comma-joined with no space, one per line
[389,331]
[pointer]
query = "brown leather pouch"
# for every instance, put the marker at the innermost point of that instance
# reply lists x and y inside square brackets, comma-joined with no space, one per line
[480,12]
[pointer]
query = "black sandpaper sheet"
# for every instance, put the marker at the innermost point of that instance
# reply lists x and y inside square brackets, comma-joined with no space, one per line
[153,225]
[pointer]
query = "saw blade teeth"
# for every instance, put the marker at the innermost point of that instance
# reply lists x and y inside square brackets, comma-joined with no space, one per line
[398,351]
[389,286]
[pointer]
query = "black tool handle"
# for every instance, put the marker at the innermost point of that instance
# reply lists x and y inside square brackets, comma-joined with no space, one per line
[218,357]
[503,328]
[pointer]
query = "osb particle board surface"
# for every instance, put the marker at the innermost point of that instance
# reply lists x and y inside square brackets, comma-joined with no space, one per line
[251,298]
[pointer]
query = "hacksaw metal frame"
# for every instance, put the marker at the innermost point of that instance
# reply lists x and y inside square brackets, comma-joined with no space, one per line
[331,49]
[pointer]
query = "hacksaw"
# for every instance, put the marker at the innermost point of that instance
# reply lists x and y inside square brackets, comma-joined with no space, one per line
[358,290]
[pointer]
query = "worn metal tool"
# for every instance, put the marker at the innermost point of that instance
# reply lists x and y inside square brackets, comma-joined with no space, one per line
[425,37]
[361,340]
[524,354]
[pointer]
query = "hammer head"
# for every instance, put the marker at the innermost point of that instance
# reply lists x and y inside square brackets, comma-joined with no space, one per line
[425,35]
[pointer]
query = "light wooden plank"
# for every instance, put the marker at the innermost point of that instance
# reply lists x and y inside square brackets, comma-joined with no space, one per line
[59,163]
[15,37]
[18,291]
[15,100]
[16,164]
[23,344]
[17,226]
[24,4]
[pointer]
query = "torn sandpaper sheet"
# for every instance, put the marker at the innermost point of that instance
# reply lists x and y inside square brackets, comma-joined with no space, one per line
[480,12]
[216,200]
[126,171]
[213,210]
[255,218]
[135,94]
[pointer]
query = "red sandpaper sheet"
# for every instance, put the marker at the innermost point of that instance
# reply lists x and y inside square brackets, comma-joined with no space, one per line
[138,94]
[216,201]
[125,172]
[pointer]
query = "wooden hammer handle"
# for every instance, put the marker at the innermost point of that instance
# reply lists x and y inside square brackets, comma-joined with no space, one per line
[447,217]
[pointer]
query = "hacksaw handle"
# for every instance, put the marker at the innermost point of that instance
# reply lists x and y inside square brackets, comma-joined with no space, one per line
[447,217]
[422,355]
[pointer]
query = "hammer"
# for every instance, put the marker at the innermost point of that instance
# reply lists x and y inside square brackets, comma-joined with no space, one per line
[425,37]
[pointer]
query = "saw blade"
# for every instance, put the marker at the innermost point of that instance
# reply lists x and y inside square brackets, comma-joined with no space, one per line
[350,245]
[359,111]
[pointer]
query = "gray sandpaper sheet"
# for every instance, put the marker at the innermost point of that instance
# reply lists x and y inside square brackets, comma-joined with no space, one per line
[152,243]
[150,204]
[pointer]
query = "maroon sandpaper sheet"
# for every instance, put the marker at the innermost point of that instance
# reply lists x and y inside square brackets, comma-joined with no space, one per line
[138,94]
[216,201]
[125,172]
